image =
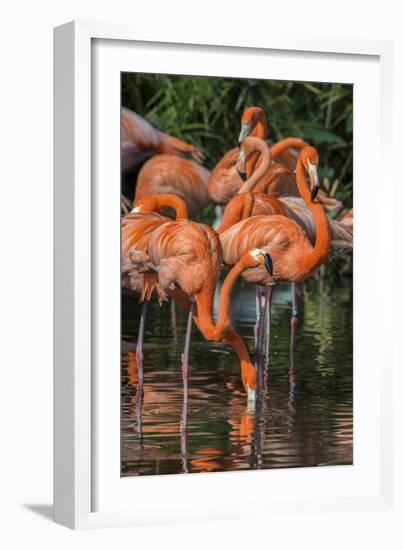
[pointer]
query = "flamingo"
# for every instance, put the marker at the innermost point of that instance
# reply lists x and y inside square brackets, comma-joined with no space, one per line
[170,174]
[247,205]
[137,227]
[277,181]
[295,258]
[140,140]
[225,181]
[183,259]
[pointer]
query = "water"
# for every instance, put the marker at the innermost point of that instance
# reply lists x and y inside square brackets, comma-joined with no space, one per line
[304,416]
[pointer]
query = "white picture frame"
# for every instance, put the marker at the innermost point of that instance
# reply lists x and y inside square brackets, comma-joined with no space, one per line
[87,491]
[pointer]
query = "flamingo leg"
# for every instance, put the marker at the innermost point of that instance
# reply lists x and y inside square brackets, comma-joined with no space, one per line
[139,360]
[184,449]
[292,373]
[140,340]
[185,357]
[268,318]
[258,314]
[173,322]
[260,334]
[139,406]
[294,300]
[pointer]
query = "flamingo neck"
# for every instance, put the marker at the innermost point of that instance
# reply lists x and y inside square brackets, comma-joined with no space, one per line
[224,312]
[265,155]
[222,330]
[239,208]
[320,250]
[204,301]
[155,203]
[287,143]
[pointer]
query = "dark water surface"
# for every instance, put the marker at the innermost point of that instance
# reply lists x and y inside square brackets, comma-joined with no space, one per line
[304,416]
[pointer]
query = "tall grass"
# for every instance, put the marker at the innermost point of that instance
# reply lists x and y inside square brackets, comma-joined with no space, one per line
[206,111]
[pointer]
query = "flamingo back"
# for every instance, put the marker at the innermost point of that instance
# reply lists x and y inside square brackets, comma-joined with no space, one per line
[189,255]
[281,237]
[169,174]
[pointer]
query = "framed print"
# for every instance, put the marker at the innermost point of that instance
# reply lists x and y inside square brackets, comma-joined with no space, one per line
[214,350]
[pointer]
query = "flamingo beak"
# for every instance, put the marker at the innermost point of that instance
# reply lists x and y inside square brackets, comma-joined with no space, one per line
[314,180]
[251,395]
[135,209]
[246,129]
[242,175]
[268,262]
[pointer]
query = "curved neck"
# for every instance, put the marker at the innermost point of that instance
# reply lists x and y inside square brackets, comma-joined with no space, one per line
[222,330]
[288,143]
[265,161]
[322,243]
[155,203]
[239,208]
[224,312]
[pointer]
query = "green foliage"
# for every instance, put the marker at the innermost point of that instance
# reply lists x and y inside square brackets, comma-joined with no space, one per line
[206,111]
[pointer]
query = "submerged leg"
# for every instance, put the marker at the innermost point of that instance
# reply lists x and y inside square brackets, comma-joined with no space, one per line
[258,314]
[139,405]
[185,357]
[140,339]
[292,369]
[184,438]
[139,361]
[268,318]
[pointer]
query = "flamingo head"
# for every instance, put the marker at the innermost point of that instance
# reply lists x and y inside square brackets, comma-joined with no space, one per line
[256,257]
[253,122]
[249,380]
[310,160]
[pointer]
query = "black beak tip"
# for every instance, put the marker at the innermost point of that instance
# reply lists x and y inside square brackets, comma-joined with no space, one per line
[268,262]
[314,192]
[242,175]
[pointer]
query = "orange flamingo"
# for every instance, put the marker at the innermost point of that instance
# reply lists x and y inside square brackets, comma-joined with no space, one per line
[184,259]
[137,227]
[225,181]
[169,174]
[277,181]
[294,256]
[140,140]
[291,204]
[247,205]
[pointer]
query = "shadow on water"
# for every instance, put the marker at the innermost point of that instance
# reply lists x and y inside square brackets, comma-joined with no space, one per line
[304,416]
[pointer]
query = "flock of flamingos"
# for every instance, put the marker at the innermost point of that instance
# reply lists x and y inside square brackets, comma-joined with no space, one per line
[272,225]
